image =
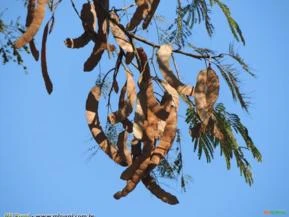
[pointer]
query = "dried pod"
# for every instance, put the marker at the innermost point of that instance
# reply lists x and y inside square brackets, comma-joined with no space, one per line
[138,170]
[170,129]
[128,58]
[152,112]
[151,184]
[94,57]
[138,15]
[47,81]
[206,93]
[125,106]
[34,26]
[123,151]
[30,12]
[167,138]
[146,87]
[96,130]
[163,58]
[88,17]
[34,50]
[152,9]
[138,124]
[79,42]
[118,33]
[102,7]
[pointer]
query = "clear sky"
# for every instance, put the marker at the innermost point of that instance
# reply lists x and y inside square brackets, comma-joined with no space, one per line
[44,139]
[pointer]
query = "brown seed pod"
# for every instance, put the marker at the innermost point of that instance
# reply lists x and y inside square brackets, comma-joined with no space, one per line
[146,87]
[206,93]
[170,129]
[152,9]
[125,106]
[96,130]
[47,81]
[149,112]
[33,28]
[94,57]
[34,50]
[118,33]
[167,138]
[138,15]
[88,17]
[102,7]
[78,42]
[124,153]
[30,13]
[140,168]
[138,124]
[163,58]
[151,184]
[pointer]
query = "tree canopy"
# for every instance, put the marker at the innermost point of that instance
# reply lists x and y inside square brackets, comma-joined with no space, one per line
[152,91]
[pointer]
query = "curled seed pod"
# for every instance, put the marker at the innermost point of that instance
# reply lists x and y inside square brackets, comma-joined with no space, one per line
[124,153]
[153,7]
[206,93]
[33,28]
[125,106]
[149,112]
[118,33]
[151,184]
[169,132]
[34,50]
[88,17]
[145,84]
[95,128]
[167,138]
[94,57]
[79,42]
[140,167]
[163,58]
[45,75]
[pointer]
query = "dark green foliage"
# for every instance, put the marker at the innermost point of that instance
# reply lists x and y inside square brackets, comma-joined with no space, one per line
[206,140]
[8,33]
[197,12]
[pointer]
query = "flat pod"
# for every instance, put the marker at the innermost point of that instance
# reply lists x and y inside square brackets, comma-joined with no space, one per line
[152,9]
[30,14]
[94,57]
[78,42]
[47,81]
[137,16]
[92,117]
[102,7]
[88,17]
[34,26]
[206,93]
[163,57]
[118,33]
[151,184]
[125,105]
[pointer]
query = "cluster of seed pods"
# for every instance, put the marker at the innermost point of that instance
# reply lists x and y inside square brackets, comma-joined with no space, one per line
[154,126]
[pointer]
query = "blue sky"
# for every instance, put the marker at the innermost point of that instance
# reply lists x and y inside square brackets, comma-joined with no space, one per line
[44,139]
